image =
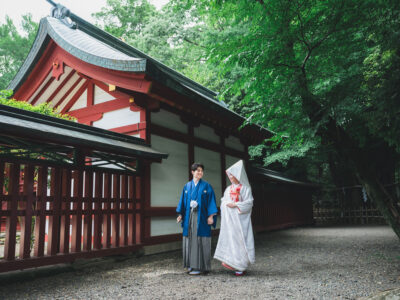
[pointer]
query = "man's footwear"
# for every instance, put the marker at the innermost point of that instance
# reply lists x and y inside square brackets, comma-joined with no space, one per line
[189,269]
[194,272]
[240,273]
[227,266]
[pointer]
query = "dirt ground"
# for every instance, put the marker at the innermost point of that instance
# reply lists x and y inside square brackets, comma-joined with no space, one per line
[297,263]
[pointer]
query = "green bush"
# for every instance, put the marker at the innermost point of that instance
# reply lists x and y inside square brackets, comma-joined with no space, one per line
[44,108]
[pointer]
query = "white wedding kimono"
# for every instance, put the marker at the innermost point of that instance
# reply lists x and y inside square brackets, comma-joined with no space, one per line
[236,242]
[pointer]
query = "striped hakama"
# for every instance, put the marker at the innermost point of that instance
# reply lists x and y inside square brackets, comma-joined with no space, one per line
[196,249]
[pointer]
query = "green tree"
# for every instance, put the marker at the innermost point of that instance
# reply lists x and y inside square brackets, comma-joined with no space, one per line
[323,75]
[14,47]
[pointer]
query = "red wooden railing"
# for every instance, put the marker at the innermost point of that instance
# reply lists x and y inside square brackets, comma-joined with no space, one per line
[61,214]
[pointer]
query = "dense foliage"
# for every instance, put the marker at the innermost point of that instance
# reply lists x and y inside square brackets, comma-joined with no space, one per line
[43,108]
[321,74]
[14,47]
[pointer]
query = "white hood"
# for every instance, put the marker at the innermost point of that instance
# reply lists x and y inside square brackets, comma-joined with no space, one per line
[239,172]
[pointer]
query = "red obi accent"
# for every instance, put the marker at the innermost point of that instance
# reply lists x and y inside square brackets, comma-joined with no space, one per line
[235,192]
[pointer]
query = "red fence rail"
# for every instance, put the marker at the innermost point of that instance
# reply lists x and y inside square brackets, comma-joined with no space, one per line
[56,214]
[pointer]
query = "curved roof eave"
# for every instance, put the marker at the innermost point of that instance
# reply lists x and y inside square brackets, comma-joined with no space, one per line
[80,45]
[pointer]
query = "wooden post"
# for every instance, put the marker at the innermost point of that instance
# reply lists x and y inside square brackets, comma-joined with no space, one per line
[65,208]
[98,217]
[87,218]
[12,206]
[116,208]
[40,224]
[26,224]
[107,211]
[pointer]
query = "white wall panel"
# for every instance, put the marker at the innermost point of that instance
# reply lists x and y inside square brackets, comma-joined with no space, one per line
[72,94]
[81,102]
[169,120]
[206,133]
[212,169]
[101,96]
[64,89]
[168,177]
[118,118]
[164,225]
[54,85]
[40,87]
[229,161]
[234,143]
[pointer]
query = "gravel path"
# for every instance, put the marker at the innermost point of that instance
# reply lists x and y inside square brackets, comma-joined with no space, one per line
[299,263]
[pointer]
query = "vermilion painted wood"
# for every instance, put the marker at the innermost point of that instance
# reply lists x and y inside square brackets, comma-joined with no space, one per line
[65,216]
[139,215]
[87,219]
[97,220]
[116,193]
[42,90]
[90,94]
[63,258]
[101,108]
[55,205]
[12,206]
[67,93]
[124,206]
[117,94]
[58,69]
[75,97]
[131,81]
[132,206]
[60,86]
[77,206]
[127,80]
[107,210]
[26,222]
[43,68]
[41,208]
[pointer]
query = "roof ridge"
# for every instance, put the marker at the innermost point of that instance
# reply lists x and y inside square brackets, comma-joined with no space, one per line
[85,26]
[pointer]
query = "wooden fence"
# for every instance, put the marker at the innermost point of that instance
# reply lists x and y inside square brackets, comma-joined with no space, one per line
[341,216]
[56,214]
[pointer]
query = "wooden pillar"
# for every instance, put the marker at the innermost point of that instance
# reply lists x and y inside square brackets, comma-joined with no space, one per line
[190,149]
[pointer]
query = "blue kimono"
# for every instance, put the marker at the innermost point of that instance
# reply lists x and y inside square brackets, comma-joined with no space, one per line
[203,193]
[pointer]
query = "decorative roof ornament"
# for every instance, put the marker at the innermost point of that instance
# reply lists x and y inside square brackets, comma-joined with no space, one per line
[62,13]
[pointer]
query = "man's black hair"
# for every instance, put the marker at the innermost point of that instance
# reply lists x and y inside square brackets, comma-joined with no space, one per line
[197,165]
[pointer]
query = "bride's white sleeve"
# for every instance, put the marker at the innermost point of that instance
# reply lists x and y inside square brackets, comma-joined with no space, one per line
[226,198]
[246,204]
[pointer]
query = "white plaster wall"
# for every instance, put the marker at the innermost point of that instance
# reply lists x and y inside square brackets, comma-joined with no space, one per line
[234,143]
[101,96]
[164,225]
[64,89]
[212,169]
[168,177]
[229,161]
[40,87]
[169,120]
[118,118]
[66,100]
[206,133]
[45,96]
[81,102]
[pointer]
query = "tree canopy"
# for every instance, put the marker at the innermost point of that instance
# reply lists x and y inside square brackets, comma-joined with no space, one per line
[321,74]
[14,47]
